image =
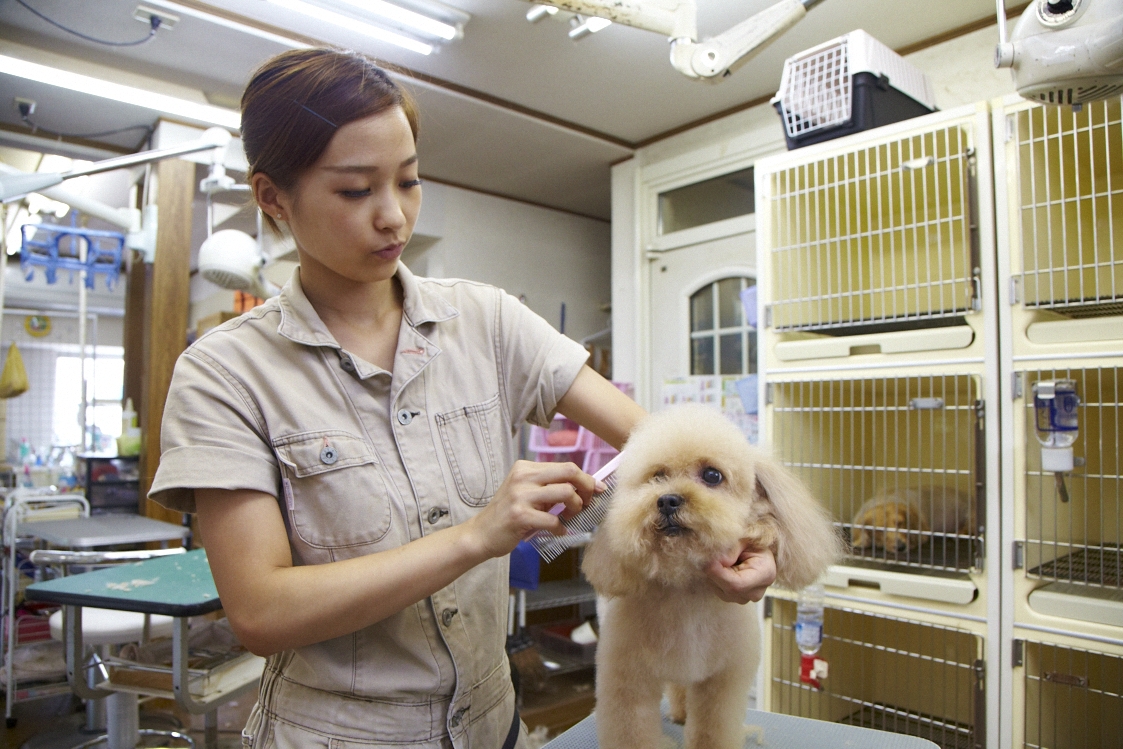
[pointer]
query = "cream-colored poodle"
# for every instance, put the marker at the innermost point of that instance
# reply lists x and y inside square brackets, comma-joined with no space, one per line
[904,519]
[690,490]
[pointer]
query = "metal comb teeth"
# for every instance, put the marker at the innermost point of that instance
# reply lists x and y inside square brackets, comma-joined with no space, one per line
[581,525]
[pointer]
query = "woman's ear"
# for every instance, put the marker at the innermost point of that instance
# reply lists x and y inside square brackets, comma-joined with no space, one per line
[808,542]
[268,196]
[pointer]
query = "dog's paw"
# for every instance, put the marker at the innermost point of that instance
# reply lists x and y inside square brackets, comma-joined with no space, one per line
[754,733]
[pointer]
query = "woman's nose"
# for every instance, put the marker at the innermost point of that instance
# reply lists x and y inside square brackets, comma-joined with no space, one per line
[389,214]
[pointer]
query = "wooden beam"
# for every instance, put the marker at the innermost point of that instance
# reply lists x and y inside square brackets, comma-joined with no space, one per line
[166,322]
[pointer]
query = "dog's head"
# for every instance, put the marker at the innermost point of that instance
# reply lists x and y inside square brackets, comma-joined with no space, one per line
[891,525]
[690,489]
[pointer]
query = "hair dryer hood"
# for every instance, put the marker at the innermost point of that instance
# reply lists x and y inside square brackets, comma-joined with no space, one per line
[1069,51]
[231,259]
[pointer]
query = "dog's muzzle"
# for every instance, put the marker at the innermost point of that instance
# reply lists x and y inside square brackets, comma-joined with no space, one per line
[668,505]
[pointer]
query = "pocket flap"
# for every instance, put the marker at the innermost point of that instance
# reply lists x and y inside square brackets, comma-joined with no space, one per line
[310,453]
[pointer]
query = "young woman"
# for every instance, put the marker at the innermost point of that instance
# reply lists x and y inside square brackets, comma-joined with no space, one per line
[348,445]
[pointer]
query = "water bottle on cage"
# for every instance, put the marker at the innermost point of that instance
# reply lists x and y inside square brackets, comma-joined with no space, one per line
[809,635]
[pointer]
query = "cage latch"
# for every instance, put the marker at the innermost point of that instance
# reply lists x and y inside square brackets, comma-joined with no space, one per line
[1015,289]
[1019,653]
[768,607]
[768,394]
[1017,384]
[768,315]
[926,404]
[980,674]
[980,414]
[1019,555]
[1068,680]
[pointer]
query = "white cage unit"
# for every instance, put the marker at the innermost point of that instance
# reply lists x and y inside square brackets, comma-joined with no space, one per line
[885,672]
[880,361]
[1060,232]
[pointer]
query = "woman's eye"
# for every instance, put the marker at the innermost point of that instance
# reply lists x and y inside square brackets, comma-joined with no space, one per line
[354,193]
[411,183]
[712,476]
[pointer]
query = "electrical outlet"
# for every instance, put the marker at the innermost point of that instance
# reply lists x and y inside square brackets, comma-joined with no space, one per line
[25,107]
[145,13]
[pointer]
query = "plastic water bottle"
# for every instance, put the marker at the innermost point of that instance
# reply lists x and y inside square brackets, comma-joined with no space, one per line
[809,620]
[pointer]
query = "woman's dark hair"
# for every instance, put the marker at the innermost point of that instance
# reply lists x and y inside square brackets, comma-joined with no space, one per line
[296,101]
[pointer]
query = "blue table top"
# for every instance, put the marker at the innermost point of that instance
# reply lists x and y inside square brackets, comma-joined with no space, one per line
[776,732]
[177,585]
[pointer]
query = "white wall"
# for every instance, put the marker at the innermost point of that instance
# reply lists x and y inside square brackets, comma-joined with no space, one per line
[961,71]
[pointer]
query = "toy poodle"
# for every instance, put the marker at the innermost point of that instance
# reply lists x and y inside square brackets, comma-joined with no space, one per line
[691,490]
[904,519]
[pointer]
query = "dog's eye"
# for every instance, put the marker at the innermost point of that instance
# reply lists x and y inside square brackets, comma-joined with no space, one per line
[660,474]
[712,476]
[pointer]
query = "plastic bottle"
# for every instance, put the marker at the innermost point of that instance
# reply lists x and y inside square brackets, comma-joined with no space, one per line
[809,620]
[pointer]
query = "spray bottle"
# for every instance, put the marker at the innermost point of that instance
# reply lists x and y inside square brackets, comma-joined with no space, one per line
[129,441]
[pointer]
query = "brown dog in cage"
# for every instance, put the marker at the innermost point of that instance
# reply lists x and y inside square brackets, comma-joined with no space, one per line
[908,518]
[690,491]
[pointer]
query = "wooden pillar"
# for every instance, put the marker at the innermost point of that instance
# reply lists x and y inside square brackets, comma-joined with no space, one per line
[167,300]
[135,343]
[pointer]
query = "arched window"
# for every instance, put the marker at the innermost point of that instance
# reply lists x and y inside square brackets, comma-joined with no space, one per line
[721,342]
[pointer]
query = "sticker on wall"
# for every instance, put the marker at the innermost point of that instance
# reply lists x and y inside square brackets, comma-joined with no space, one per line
[37,325]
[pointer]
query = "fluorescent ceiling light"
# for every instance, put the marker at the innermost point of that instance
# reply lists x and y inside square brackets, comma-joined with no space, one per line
[405,17]
[227,23]
[353,24]
[85,84]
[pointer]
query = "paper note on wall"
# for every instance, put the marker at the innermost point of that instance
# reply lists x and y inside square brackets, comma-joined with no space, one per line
[718,391]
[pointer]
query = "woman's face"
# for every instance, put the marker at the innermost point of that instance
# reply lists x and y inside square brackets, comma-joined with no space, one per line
[354,210]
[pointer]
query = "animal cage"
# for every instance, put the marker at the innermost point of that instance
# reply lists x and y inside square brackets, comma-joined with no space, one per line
[878,236]
[898,461]
[885,673]
[1073,697]
[1074,521]
[1070,203]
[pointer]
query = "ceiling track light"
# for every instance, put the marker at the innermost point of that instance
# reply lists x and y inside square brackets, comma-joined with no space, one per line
[586,26]
[538,12]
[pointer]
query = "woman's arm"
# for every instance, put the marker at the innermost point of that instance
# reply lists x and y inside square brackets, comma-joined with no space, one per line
[596,404]
[273,605]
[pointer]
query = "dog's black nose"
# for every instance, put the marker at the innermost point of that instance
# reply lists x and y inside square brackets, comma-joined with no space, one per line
[668,504]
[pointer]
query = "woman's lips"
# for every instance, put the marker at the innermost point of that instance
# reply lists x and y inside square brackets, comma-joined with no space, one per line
[390,253]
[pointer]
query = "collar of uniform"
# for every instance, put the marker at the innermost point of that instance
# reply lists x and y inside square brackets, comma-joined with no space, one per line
[301,323]
[421,305]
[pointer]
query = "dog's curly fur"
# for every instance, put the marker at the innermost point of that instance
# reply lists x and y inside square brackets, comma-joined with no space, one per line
[661,620]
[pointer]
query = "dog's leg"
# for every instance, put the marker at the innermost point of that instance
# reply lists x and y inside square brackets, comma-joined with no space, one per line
[627,705]
[676,696]
[716,708]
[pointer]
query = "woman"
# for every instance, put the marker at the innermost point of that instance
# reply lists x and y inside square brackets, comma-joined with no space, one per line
[346,445]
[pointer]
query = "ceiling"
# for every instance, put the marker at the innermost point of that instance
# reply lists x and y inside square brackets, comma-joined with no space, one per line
[513,108]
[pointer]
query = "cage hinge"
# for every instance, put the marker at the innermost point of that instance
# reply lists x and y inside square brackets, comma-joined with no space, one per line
[768,394]
[981,556]
[1011,127]
[977,289]
[980,674]
[1015,290]
[1017,385]
[1019,555]
[1019,652]
[768,607]
[768,315]
[980,414]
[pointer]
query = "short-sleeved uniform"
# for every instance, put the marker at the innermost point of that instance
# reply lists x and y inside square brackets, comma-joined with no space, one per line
[363,460]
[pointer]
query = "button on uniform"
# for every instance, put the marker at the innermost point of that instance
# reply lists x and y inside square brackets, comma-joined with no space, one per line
[347,364]
[404,417]
[435,514]
[446,616]
[328,455]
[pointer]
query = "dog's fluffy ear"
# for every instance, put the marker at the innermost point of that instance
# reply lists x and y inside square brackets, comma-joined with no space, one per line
[807,543]
[606,570]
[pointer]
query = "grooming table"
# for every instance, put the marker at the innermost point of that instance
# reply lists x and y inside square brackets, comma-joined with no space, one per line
[179,586]
[103,530]
[780,732]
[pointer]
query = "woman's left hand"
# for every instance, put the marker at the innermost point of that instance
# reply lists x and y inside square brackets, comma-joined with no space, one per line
[743,576]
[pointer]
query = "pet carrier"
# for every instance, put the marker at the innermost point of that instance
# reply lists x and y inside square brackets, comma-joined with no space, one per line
[885,673]
[1064,198]
[847,85]
[899,462]
[1073,698]
[1073,518]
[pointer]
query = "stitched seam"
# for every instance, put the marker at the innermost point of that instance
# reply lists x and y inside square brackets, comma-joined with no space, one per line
[235,383]
[501,374]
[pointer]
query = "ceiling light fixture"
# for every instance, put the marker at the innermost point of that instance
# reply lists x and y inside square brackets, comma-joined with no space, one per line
[538,12]
[586,26]
[187,10]
[408,18]
[353,24]
[194,111]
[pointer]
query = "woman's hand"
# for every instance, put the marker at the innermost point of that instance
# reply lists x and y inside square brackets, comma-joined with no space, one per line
[743,576]
[521,506]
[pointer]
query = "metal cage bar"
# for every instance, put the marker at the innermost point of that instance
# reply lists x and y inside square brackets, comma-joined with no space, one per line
[886,673]
[1078,540]
[898,461]
[877,235]
[1073,698]
[1070,177]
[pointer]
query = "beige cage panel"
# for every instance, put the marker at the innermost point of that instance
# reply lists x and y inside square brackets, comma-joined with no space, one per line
[898,461]
[878,235]
[885,673]
[1078,541]
[1070,180]
[1073,698]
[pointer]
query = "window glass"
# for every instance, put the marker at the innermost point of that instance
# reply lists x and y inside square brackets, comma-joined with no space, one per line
[721,341]
[730,314]
[702,356]
[731,348]
[702,309]
[708,201]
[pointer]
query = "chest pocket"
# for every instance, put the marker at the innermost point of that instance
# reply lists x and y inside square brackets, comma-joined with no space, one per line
[333,489]
[473,442]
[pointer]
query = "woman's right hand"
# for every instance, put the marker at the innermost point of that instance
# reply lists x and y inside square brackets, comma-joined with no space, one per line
[521,506]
